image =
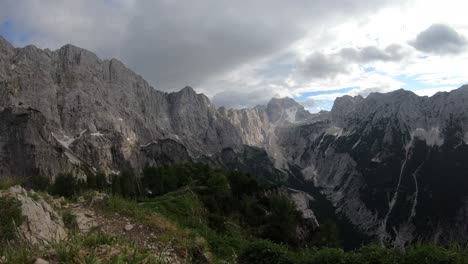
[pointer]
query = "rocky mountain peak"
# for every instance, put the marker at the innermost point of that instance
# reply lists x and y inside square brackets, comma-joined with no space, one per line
[285,102]
[187,90]
[5,46]
[286,109]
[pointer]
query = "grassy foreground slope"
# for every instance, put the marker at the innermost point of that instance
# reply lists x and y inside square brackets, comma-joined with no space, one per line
[187,213]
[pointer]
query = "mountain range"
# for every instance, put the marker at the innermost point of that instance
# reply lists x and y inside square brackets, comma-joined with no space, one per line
[393,165]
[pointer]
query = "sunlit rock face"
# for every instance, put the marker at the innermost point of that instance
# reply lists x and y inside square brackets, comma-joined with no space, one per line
[97,113]
[394,164]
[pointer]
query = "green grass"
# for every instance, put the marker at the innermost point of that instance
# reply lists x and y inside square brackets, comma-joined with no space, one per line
[182,208]
[91,248]
[10,218]
[98,239]
[187,211]
[8,182]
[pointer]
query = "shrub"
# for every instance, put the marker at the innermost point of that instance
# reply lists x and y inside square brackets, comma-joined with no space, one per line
[38,183]
[67,185]
[329,256]
[126,184]
[429,253]
[69,219]
[282,221]
[327,235]
[101,181]
[377,255]
[264,252]
[10,218]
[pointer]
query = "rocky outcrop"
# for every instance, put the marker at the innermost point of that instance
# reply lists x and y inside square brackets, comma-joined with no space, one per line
[302,202]
[80,110]
[84,218]
[260,125]
[392,163]
[42,225]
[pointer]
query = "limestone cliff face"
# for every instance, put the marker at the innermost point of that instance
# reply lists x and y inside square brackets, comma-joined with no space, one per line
[261,125]
[393,163]
[98,112]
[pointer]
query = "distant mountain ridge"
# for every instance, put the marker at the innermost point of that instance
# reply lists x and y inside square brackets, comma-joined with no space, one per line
[393,164]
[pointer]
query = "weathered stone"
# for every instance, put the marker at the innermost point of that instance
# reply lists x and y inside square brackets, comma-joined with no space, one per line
[84,219]
[40,261]
[42,224]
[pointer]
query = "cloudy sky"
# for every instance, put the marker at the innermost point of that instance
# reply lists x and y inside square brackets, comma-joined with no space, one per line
[242,53]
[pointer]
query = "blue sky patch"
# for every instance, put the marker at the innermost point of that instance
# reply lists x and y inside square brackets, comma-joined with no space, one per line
[6,30]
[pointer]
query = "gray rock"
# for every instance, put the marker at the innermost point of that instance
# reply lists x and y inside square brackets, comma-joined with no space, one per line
[40,261]
[84,218]
[128,227]
[42,224]
[78,110]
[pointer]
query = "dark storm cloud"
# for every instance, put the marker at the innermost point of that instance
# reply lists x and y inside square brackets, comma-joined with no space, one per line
[176,43]
[323,66]
[320,66]
[181,44]
[440,39]
[367,54]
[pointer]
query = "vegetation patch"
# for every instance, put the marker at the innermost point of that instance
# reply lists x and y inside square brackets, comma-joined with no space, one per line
[10,218]
[7,182]
[69,220]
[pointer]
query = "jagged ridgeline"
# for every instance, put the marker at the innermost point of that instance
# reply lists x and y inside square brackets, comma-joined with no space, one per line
[392,165]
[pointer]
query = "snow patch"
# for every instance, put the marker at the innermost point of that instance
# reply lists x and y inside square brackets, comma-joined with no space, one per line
[12,67]
[65,140]
[357,143]
[432,137]
[120,119]
[376,159]
[97,134]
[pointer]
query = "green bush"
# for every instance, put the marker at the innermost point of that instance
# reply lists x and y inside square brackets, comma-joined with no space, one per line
[101,181]
[126,184]
[282,221]
[265,252]
[10,218]
[429,253]
[69,219]
[329,256]
[327,235]
[374,254]
[38,183]
[67,185]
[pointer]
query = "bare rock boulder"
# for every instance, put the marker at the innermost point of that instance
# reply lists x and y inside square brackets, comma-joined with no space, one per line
[42,224]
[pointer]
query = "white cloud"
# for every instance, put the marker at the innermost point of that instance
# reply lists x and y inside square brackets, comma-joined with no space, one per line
[432,91]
